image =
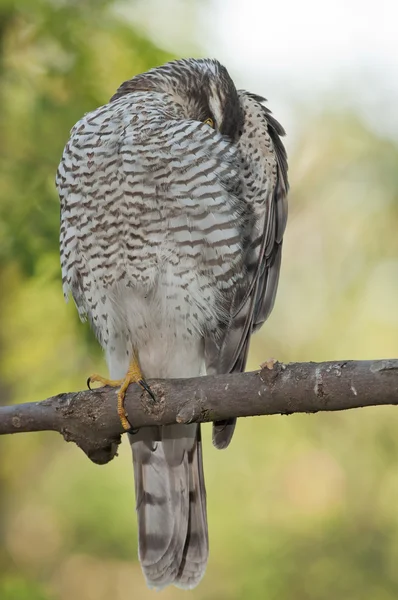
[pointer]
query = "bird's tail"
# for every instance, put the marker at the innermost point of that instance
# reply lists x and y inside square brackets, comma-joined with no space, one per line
[171,505]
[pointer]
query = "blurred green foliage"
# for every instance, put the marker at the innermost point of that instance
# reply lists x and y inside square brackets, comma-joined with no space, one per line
[301,508]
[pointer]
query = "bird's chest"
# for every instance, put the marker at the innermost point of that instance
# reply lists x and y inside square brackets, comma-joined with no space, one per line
[175,238]
[183,254]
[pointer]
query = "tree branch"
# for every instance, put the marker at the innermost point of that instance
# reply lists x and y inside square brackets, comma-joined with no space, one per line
[89,418]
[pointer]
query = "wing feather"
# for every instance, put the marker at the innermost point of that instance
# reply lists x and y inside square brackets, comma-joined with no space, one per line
[265,186]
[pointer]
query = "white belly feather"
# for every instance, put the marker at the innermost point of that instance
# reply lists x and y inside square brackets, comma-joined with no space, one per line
[164,323]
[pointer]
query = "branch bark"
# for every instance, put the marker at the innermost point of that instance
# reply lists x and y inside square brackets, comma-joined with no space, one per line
[89,418]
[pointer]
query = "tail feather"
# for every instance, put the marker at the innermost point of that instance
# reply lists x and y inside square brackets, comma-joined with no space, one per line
[171,504]
[196,548]
[223,432]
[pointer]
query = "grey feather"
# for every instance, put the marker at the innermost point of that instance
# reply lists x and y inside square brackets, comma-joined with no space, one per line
[171,505]
[254,302]
[171,237]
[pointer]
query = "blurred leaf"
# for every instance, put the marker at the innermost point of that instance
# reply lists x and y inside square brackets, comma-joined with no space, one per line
[16,588]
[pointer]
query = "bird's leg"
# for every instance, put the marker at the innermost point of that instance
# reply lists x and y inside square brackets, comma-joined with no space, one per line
[134,375]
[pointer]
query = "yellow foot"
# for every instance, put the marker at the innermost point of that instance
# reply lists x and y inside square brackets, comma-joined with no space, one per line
[133,375]
[98,379]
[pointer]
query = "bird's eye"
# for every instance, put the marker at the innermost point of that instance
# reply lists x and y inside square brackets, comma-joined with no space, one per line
[209,122]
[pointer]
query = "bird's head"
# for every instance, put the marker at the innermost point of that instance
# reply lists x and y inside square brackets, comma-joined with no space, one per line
[202,87]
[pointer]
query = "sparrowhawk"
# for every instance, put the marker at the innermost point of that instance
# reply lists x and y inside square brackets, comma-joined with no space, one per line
[173,209]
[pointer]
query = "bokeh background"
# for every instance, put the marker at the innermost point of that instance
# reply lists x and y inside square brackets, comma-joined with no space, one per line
[300,507]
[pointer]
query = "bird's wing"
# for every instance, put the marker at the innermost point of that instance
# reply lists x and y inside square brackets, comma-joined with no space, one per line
[265,186]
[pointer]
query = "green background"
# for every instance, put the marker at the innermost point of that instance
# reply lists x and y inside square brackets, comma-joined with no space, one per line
[300,507]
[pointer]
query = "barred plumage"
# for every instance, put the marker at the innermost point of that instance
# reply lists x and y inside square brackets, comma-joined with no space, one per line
[171,236]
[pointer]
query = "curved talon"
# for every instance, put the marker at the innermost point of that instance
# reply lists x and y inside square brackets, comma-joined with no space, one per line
[88,383]
[146,387]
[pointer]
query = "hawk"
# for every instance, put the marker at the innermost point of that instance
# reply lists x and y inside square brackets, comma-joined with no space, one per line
[173,209]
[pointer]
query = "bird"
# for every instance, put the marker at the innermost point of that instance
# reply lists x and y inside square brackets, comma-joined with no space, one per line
[173,203]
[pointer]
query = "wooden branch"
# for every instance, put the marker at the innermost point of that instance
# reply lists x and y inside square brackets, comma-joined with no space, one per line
[89,418]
